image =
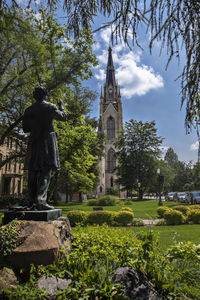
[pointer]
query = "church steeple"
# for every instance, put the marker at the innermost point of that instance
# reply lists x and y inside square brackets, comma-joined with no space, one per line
[110,75]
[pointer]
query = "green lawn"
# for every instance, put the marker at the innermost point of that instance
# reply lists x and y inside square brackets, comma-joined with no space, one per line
[143,209]
[168,235]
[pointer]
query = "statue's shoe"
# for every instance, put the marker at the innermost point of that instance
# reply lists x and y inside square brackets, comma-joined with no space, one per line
[44,207]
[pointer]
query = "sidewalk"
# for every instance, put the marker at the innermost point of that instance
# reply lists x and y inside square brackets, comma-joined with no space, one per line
[149,222]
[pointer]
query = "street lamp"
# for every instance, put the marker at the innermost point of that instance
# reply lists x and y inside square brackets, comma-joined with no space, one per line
[160,182]
[139,191]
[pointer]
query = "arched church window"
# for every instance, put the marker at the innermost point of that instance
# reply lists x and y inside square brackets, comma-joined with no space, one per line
[111,160]
[110,128]
[111,181]
[100,189]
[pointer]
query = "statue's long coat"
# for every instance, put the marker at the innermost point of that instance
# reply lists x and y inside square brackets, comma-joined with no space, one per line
[42,152]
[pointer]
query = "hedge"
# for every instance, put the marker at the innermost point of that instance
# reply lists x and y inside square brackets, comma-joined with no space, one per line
[77,216]
[123,218]
[182,208]
[162,210]
[174,217]
[100,217]
[194,216]
[127,209]
[107,200]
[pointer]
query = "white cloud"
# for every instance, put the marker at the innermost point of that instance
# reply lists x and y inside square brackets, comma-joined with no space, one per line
[164,148]
[25,2]
[96,46]
[101,75]
[194,146]
[133,77]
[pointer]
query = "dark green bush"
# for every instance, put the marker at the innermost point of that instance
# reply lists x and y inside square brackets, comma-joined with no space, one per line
[194,216]
[123,218]
[182,208]
[174,217]
[77,216]
[161,210]
[92,202]
[107,200]
[100,217]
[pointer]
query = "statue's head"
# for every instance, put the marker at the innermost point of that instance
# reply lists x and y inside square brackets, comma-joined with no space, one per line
[39,93]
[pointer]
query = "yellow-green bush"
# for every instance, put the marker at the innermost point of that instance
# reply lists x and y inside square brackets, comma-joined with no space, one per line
[123,218]
[77,216]
[100,217]
[161,210]
[194,216]
[195,206]
[126,209]
[182,208]
[174,217]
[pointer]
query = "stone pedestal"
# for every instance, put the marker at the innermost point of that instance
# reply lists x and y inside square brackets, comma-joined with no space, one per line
[40,215]
[38,243]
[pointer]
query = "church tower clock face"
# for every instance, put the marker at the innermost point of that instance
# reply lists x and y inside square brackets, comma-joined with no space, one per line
[111,123]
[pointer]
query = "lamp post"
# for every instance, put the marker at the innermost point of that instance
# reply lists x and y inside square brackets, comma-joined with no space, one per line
[139,191]
[160,182]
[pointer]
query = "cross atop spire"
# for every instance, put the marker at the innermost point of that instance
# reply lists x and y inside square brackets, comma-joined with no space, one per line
[110,75]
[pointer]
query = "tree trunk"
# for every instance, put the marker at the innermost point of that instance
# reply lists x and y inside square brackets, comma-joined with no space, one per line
[140,194]
[80,197]
[67,193]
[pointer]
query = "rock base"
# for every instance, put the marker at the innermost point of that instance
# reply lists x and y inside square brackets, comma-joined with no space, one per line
[136,284]
[40,243]
[40,215]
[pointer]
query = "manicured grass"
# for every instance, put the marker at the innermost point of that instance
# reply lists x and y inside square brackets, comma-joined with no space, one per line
[168,235]
[144,209]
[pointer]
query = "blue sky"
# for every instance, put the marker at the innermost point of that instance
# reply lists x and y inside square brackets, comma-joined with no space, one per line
[148,91]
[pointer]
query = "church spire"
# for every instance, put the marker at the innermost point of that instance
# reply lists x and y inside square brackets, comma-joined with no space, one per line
[110,75]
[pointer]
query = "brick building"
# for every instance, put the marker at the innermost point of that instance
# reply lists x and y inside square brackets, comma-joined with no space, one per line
[11,174]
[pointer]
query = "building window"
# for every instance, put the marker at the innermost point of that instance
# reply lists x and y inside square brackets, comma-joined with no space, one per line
[19,187]
[100,189]
[111,160]
[11,142]
[6,167]
[1,158]
[111,182]
[8,140]
[16,145]
[15,165]
[110,128]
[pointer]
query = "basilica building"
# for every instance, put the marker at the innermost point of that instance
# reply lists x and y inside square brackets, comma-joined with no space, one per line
[111,123]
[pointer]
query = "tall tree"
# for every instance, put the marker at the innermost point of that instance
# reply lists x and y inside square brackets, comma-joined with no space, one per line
[174,23]
[138,150]
[36,50]
[171,158]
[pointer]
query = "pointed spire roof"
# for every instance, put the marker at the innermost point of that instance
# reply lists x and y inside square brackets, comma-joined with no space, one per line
[110,75]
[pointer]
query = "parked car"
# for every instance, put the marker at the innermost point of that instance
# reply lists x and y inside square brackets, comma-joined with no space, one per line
[181,197]
[170,197]
[193,197]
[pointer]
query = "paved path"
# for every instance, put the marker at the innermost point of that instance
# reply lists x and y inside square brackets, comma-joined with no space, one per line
[149,222]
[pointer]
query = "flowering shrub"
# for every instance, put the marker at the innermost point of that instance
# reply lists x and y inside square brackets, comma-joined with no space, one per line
[77,216]
[194,216]
[161,210]
[174,217]
[123,218]
[182,208]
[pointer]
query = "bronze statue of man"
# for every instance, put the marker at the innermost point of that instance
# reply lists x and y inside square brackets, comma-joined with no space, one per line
[42,152]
